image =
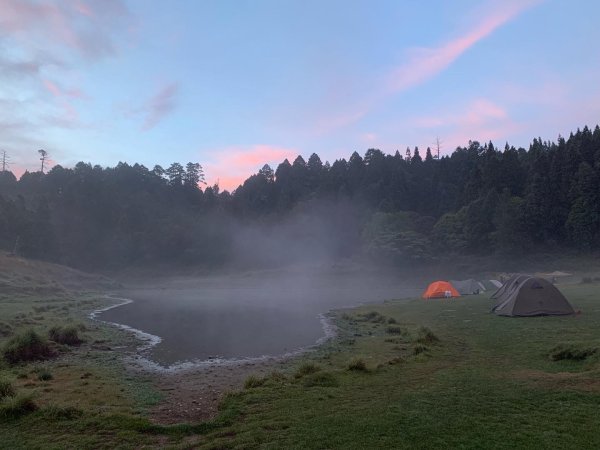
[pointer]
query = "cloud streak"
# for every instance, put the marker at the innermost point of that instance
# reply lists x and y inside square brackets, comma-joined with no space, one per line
[425,63]
[159,106]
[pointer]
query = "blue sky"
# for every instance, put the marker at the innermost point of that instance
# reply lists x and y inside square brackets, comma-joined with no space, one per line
[236,84]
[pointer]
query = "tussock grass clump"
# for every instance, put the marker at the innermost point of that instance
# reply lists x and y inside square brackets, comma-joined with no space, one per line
[44,375]
[391,321]
[17,406]
[426,336]
[323,379]
[571,352]
[253,381]
[6,389]
[420,348]
[307,369]
[393,329]
[53,412]
[27,346]
[358,365]
[373,316]
[68,335]
[277,376]
[5,329]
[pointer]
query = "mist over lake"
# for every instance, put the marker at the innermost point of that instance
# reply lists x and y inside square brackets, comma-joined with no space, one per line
[199,318]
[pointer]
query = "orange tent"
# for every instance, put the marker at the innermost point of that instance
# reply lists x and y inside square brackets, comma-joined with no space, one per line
[440,289]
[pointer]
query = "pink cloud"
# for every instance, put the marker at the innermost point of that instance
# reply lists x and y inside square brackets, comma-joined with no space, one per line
[233,165]
[84,26]
[425,63]
[159,106]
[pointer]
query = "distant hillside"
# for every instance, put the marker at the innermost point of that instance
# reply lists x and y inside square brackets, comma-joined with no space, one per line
[23,275]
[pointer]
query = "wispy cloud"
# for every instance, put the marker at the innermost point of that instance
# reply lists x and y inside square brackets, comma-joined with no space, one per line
[87,27]
[230,166]
[158,106]
[425,63]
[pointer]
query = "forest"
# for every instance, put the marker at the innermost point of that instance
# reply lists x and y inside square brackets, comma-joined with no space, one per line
[401,208]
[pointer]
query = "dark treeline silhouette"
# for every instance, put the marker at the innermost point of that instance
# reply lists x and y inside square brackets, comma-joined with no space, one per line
[480,200]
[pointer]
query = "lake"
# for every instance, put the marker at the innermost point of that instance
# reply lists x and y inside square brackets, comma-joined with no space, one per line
[234,317]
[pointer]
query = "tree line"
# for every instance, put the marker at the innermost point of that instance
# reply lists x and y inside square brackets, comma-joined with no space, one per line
[479,200]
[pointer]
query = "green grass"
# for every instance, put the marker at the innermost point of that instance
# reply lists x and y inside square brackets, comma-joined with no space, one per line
[483,382]
[455,376]
[26,346]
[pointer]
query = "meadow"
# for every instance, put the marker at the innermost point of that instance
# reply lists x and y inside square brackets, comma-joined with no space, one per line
[400,374]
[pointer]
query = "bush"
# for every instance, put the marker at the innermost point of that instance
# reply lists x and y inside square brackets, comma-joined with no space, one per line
[307,369]
[393,330]
[571,352]
[17,407]
[391,320]
[253,382]
[27,346]
[6,389]
[323,379]
[65,335]
[358,364]
[426,336]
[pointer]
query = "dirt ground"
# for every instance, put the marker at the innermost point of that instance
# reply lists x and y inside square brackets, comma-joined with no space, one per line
[193,395]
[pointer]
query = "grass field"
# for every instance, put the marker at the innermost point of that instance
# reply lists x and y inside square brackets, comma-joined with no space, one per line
[489,382]
[403,374]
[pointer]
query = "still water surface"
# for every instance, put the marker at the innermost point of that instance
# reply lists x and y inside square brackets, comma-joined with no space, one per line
[241,317]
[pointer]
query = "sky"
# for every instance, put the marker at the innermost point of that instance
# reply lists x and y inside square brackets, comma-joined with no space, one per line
[235,84]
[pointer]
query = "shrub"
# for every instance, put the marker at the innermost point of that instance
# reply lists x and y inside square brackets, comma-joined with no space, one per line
[571,352]
[307,369]
[393,330]
[358,365]
[391,320]
[253,382]
[426,336]
[65,335]
[27,346]
[44,375]
[17,406]
[6,389]
[323,379]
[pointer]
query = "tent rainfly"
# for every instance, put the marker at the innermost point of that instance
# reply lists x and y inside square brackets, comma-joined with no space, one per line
[509,285]
[532,296]
[440,289]
[468,287]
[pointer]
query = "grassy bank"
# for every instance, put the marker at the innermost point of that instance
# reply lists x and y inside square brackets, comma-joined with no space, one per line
[402,374]
[469,379]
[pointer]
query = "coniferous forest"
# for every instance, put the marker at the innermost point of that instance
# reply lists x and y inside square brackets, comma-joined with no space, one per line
[402,208]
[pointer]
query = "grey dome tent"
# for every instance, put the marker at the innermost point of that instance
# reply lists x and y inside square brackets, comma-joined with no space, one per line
[467,287]
[491,284]
[532,296]
[508,286]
